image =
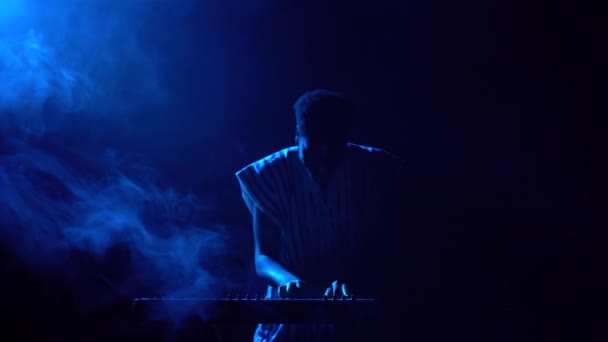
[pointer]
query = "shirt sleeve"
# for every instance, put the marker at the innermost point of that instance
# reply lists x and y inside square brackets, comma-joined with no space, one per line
[260,188]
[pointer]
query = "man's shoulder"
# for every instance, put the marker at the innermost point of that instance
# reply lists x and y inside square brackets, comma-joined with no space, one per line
[382,166]
[276,158]
[373,153]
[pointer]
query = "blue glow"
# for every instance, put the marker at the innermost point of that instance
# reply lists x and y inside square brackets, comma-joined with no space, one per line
[70,209]
[11,8]
[88,57]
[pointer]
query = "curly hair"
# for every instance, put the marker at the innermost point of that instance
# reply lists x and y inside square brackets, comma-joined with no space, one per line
[322,112]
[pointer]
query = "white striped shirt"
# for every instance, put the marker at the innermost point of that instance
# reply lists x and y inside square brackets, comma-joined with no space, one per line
[322,238]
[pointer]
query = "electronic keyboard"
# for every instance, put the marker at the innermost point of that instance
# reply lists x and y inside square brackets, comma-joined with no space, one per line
[247,309]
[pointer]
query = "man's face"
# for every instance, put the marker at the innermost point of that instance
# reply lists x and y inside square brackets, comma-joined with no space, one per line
[321,154]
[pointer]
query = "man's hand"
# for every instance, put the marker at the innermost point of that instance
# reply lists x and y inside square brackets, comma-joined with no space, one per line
[337,289]
[297,289]
[291,290]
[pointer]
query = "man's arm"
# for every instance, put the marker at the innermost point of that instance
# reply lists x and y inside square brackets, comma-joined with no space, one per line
[267,240]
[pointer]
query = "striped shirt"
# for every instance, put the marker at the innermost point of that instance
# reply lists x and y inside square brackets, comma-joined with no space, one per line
[323,238]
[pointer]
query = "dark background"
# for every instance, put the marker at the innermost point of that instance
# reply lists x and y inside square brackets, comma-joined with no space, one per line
[488,102]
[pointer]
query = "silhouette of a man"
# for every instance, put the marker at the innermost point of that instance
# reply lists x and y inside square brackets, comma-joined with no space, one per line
[319,212]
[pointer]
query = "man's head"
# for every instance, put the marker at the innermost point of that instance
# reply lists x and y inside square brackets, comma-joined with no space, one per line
[323,122]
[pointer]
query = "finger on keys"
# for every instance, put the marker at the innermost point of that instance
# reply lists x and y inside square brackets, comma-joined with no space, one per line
[289,288]
[344,290]
[294,288]
[334,288]
[282,291]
